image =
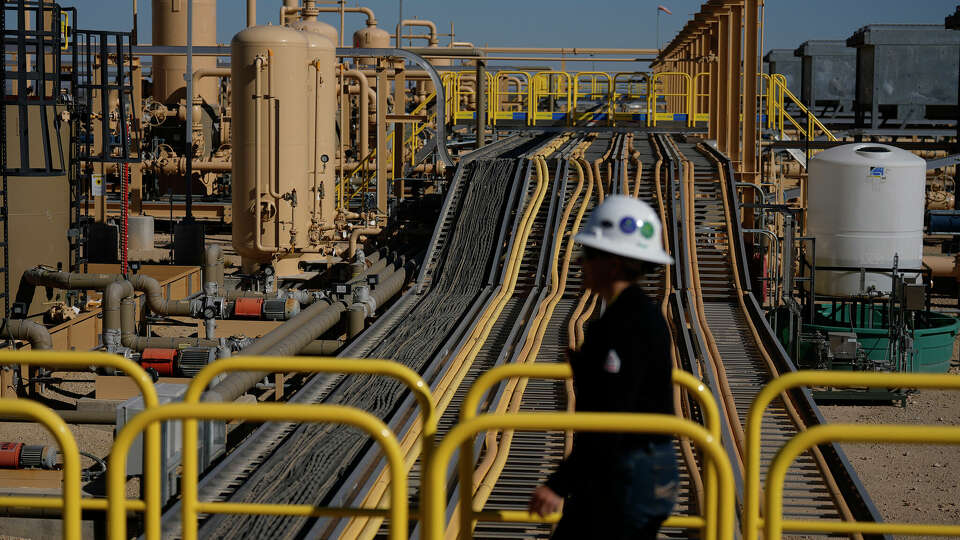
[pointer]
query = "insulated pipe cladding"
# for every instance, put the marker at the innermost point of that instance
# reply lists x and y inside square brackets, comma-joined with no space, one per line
[284,108]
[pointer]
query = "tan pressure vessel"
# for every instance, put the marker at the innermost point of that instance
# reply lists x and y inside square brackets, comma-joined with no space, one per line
[170,29]
[269,141]
[317,27]
[371,37]
[321,113]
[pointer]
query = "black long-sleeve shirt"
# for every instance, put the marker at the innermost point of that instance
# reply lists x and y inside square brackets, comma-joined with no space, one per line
[623,366]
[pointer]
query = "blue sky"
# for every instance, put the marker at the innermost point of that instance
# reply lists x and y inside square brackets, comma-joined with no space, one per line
[556,23]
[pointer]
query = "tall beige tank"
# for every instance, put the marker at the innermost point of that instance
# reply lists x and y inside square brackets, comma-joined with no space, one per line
[170,29]
[321,107]
[317,27]
[371,37]
[269,140]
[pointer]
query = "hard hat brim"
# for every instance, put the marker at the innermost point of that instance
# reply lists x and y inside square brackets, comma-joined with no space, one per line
[656,255]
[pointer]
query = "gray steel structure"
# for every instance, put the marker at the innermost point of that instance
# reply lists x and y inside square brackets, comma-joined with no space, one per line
[784,62]
[907,72]
[829,74]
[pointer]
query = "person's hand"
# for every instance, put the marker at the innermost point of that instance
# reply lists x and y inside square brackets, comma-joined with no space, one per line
[544,501]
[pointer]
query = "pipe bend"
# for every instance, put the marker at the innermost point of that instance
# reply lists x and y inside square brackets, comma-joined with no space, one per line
[24,329]
[155,300]
[355,236]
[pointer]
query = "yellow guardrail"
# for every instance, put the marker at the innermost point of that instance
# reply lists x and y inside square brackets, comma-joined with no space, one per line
[504,96]
[696,96]
[344,196]
[711,415]
[434,487]
[774,524]
[779,84]
[682,96]
[151,503]
[70,500]
[595,81]
[65,30]
[815,435]
[190,505]
[541,88]
[261,412]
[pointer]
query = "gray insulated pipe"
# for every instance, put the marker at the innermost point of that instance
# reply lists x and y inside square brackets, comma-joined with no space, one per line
[285,340]
[35,333]
[293,336]
[212,270]
[129,337]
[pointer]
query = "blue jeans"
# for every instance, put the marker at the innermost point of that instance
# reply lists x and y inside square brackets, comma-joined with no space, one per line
[629,496]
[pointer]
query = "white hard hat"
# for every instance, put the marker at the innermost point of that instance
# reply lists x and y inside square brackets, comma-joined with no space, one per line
[626,227]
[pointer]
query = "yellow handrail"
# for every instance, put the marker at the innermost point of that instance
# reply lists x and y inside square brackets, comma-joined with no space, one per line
[594,93]
[151,457]
[774,524]
[191,507]
[685,94]
[521,92]
[695,96]
[434,495]
[540,87]
[262,412]
[797,379]
[780,110]
[708,406]
[70,500]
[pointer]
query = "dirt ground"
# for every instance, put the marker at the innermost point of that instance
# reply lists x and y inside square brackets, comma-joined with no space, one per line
[907,482]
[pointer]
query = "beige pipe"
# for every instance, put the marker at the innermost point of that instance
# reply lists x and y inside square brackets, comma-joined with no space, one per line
[355,236]
[364,110]
[208,72]
[257,135]
[371,20]
[371,93]
[286,11]
[942,266]
[417,22]
[251,13]
[563,50]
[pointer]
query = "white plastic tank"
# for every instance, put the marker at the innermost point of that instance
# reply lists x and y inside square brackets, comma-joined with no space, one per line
[865,207]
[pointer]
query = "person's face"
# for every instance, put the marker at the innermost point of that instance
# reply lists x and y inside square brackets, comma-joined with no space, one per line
[599,269]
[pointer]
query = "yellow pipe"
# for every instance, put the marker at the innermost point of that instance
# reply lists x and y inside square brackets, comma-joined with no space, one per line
[529,352]
[821,462]
[446,387]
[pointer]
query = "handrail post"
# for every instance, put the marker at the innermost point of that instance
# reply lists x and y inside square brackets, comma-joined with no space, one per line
[71,461]
[151,439]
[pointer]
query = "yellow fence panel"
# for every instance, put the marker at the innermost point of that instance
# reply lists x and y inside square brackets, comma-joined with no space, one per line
[554,86]
[670,84]
[262,412]
[826,433]
[151,448]
[774,524]
[70,501]
[434,492]
[708,406]
[510,104]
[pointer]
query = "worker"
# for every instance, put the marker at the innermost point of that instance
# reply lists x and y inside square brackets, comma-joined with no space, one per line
[618,485]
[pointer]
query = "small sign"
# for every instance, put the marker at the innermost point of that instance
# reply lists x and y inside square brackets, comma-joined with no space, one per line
[878,172]
[96,184]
